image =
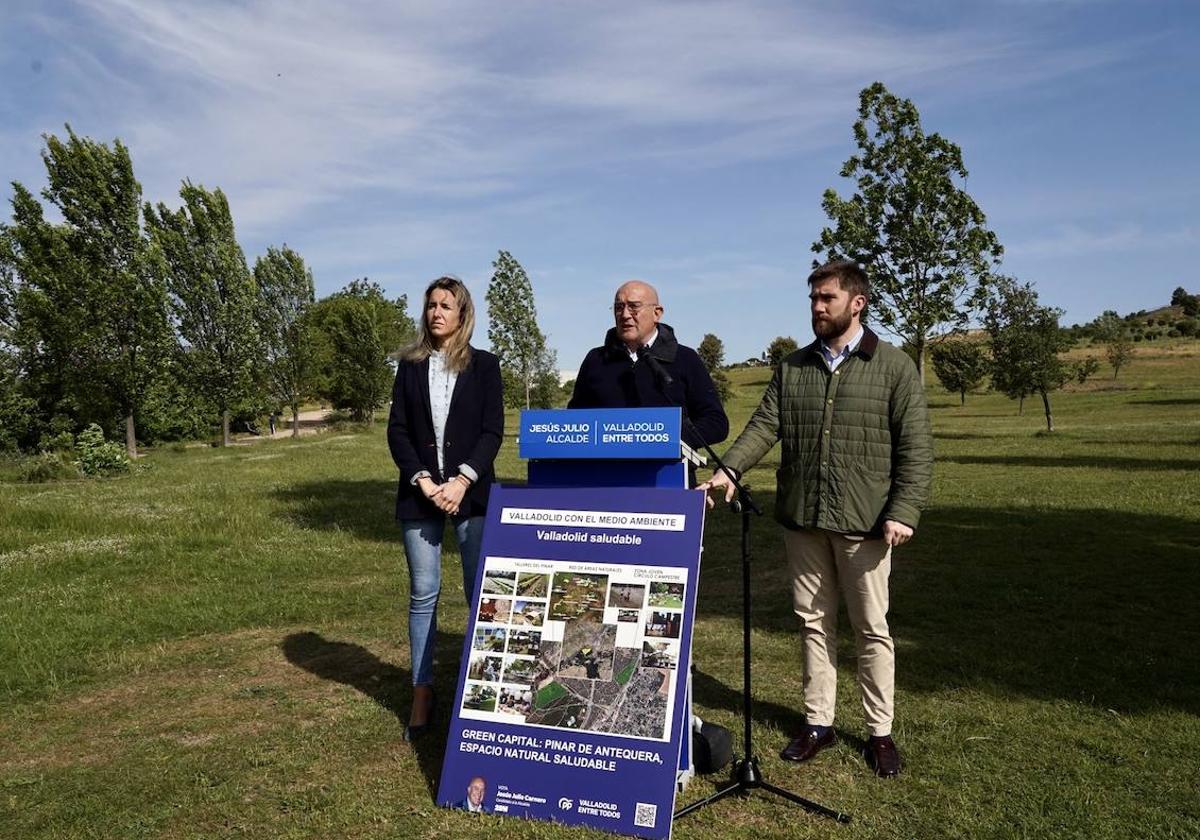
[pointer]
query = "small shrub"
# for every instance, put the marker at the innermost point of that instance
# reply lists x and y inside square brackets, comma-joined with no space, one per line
[47,466]
[1084,369]
[60,442]
[98,456]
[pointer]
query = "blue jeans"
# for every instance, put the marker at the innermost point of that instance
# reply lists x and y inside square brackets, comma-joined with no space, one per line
[423,547]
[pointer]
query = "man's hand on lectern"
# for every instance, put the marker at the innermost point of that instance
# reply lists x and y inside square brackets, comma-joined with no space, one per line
[720,479]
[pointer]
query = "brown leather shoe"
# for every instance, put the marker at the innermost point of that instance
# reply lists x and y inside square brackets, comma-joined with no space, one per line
[807,744]
[883,756]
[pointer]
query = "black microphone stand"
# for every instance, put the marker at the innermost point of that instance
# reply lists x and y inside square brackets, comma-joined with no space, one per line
[746,774]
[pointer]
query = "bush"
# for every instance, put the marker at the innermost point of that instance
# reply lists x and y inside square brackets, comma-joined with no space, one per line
[1084,369]
[1188,327]
[61,442]
[98,456]
[47,466]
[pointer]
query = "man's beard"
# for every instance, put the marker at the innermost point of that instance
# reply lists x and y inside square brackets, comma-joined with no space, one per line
[832,327]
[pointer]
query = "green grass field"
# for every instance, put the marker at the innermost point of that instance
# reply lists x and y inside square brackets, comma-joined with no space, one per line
[547,694]
[626,673]
[215,645]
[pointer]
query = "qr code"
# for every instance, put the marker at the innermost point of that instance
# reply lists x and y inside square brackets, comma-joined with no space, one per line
[644,815]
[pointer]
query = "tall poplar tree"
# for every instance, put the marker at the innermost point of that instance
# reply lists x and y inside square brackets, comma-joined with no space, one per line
[527,364]
[91,315]
[213,297]
[285,295]
[711,351]
[921,238]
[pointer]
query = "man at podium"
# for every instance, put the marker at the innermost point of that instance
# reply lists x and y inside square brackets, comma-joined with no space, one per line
[642,365]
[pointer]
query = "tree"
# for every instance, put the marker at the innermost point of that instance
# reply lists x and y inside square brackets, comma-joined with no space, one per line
[285,293]
[19,422]
[8,290]
[213,298]
[1084,369]
[780,347]
[1180,296]
[1114,332]
[526,363]
[960,366]
[357,329]
[921,238]
[712,354]
[1026,341]
[93,317]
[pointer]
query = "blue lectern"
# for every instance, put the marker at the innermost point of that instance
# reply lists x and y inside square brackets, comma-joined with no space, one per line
[610,447]
[605,447]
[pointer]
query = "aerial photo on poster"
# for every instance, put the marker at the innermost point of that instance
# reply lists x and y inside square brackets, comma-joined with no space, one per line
[587,646]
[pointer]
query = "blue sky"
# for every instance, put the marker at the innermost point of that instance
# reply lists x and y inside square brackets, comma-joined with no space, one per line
[684,143]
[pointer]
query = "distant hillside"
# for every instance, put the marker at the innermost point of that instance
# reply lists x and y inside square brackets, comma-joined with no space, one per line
[1178,319]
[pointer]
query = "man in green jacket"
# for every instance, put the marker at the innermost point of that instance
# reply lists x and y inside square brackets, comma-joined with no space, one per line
[855,469]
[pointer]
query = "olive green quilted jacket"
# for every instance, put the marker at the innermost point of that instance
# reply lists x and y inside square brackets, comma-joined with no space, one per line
[856,444]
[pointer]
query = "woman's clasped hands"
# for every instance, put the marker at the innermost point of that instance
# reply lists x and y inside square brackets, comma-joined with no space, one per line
[447,496]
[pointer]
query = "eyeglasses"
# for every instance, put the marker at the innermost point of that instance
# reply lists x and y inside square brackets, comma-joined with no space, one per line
[634,307]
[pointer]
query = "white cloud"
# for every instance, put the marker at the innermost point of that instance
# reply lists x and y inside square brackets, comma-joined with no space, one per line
[293,106]
[382,138]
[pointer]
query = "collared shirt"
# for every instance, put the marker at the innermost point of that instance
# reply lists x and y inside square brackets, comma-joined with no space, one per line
[441,388]
[633,354]
[832,359]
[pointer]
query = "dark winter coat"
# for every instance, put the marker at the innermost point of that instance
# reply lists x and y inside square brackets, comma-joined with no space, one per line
[608,379]
[474,431]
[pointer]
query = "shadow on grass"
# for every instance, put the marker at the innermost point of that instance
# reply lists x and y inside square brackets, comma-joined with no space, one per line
[1181,401]
[962,436]
[365,507]
[1079,605]
[1056,461]
[388,685]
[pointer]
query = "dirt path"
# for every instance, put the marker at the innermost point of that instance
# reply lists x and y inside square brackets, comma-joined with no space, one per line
[311,422]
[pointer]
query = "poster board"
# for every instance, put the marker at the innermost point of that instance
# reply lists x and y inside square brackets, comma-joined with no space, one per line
[571,692]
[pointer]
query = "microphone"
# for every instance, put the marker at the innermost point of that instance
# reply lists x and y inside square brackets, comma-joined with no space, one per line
[661,376]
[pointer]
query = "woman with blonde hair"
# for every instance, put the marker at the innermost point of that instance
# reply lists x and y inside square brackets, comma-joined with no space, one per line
[444,430]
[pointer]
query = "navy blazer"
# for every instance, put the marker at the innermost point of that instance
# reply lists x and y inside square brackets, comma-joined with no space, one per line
[474,431]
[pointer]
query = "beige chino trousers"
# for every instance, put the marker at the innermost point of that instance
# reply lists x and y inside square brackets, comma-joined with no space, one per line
[823,565]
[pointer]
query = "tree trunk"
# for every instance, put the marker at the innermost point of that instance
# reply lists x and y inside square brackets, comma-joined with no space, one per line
[225,441]
[919,346]
[130,437]
[963,394]
[1049,416]
[1021,407]
[295,420]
